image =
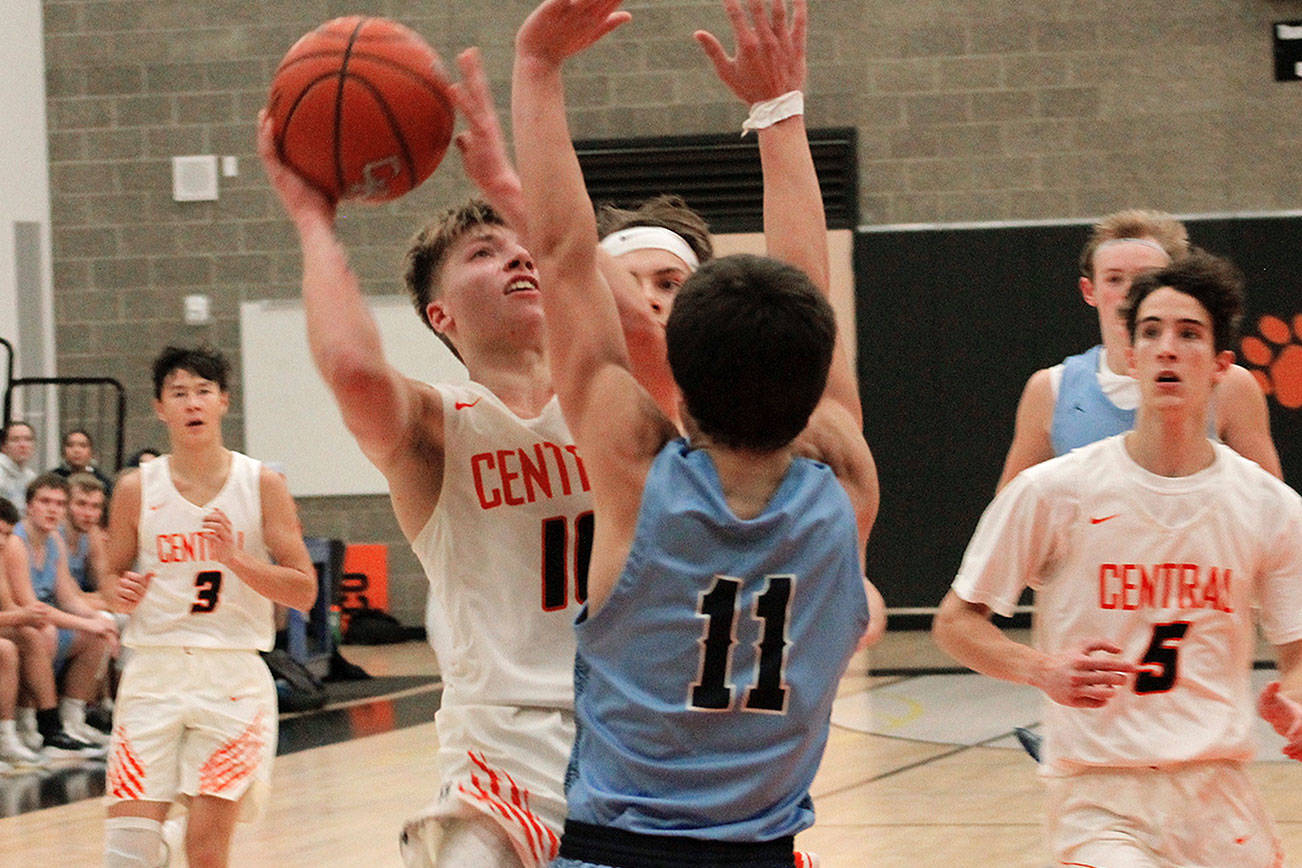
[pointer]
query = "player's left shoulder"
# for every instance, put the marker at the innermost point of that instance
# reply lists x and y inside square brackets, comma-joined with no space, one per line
[1250,483]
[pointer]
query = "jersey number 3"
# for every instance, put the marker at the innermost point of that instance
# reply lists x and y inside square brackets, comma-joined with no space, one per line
[208,586]
[719,605]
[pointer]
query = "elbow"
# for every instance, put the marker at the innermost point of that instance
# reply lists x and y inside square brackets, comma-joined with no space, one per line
[351,372]
[945,627]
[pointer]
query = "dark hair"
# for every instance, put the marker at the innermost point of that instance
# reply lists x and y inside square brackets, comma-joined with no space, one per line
[203,361]
[1213,281]
[668,212]
[428,250]
[134,460]
[750,342]
[8,512]
[83,432]
[10,425]
[46,480]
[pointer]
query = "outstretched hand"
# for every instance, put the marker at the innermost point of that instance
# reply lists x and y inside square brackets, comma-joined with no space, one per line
[481,144]
[1284,714]
[301,200]
[1087,678]
[770,58]
[560,29]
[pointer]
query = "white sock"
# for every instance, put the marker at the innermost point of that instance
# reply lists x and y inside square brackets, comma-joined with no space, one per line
[475,843]
[133,842]
[72,712]
[26,719]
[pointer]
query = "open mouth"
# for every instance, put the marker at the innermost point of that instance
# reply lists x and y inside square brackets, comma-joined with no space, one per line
[521,284]
[1167,377]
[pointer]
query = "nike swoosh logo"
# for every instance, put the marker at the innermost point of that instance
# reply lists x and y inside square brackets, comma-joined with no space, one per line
[1104,518]
[461,405]
[159,506]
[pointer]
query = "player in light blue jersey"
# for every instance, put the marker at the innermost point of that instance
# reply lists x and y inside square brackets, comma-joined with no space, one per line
[725,591]
[1092,395]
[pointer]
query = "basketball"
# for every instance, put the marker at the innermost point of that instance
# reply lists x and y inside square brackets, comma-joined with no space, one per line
[361,109]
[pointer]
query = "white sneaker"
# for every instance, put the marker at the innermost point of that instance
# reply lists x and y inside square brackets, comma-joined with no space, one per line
[85,732]
[5,768]
[27,731]
[14,752]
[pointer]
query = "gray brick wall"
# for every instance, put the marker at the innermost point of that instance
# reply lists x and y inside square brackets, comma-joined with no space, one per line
[973,110]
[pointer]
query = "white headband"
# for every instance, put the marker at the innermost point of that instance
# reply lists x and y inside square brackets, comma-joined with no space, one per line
[650,237]
[1147,242]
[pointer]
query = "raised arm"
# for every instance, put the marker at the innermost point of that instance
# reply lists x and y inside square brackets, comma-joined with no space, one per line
[769,63]
[377,402]
[397,422]
[584,339]
[615,423]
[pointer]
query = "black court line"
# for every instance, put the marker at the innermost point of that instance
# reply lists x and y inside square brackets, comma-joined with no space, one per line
[359,719]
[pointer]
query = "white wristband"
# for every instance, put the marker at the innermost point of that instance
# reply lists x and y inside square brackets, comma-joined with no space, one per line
[767,113]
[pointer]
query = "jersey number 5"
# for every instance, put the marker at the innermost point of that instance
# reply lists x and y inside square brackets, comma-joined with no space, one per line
[556,561]
[712,692]
[208,585]
[1161,662]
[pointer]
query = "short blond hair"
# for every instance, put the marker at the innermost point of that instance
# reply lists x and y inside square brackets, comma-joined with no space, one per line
[85,482]
[1157,226]
[428,250]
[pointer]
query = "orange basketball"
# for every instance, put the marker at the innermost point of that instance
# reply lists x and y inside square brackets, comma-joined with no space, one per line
[361,109]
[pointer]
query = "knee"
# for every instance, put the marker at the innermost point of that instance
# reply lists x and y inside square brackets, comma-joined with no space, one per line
[8,654]
[132,842]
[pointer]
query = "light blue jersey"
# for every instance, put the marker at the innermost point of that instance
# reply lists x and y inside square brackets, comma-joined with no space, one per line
[704,684]
[1082,414]
[44,576]
[77,560]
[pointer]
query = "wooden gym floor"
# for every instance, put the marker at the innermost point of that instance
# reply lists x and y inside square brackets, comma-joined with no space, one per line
[919,771]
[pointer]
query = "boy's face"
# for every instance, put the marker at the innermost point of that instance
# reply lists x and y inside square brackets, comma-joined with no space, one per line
[659,274]
[1115,265]
[1173,354]
[85,509]
[20,444]
[190,406]
[46,509]
[489,287]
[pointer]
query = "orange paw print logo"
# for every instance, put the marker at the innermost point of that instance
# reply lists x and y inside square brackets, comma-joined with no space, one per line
[1276,358]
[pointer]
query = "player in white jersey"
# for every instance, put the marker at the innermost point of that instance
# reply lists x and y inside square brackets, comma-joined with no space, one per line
[1150,552]
[192,540]
[485,484]
[474,284]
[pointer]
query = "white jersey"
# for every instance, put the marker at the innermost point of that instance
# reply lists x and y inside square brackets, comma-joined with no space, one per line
[1168,569]
[193,600]
[506,553]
